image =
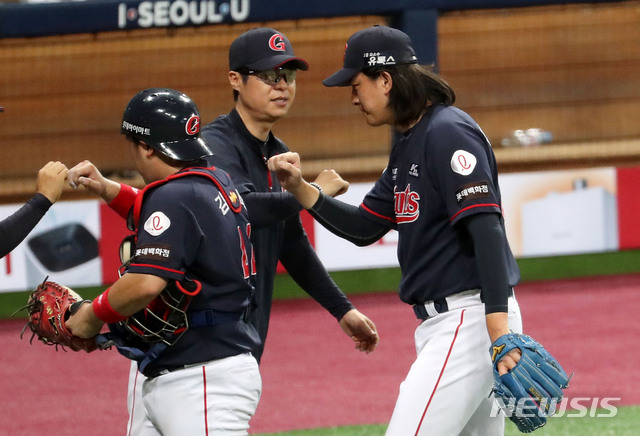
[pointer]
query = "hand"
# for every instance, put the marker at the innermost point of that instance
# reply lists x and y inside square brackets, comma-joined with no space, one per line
[331,183]
[83,323]
[288,169]
[51,179]
[498,325]
[508,362]
[361,330]
[86,174]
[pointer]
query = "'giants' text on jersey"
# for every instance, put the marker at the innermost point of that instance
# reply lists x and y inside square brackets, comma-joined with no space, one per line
[407,206]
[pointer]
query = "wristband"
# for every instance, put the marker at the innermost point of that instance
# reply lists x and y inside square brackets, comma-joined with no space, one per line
[315,185]
[103,310]
[123,202]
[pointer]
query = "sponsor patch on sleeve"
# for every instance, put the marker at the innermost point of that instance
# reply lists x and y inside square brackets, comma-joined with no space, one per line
[473,190]
[157,223]
[153,252]
[463,162]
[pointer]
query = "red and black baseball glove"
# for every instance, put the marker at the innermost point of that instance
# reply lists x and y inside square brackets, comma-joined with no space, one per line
[49,306]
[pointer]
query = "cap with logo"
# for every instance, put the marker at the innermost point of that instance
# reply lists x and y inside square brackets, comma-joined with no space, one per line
[262,49]
[371,47]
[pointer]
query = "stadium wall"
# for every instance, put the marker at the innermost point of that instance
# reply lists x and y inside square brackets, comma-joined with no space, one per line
[570,69]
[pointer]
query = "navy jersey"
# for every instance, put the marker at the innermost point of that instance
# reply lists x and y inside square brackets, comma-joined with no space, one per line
[193,225]
[440,171]
[244,157]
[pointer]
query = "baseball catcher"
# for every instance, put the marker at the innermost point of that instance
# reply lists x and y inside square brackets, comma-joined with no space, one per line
[48,306]
[529,392]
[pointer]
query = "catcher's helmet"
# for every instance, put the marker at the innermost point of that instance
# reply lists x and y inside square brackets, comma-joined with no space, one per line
[168,121]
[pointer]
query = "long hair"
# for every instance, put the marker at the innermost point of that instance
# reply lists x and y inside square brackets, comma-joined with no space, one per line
[415,87]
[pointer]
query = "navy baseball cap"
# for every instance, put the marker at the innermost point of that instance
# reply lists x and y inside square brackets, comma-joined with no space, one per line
[371,47]
[261,49]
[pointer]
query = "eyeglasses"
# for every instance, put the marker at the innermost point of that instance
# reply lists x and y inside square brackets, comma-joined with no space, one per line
[273,77]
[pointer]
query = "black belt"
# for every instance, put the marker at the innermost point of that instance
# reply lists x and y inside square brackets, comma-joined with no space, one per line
[440,306]
[153,373]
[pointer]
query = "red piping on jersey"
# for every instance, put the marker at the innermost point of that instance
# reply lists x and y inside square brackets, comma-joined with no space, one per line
[137,207]
[190,293]
[377,214]
[204,387]
[455,336]
[146,265]
[475,205]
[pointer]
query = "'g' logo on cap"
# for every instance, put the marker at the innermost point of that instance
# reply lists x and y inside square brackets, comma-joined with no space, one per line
[276,42]
[192,126]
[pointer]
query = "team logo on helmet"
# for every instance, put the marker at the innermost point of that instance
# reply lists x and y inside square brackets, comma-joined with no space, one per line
[276,42]
[192,126]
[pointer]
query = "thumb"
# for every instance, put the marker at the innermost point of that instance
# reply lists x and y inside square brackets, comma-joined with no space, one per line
[89,183]
[286,166]
[92,186]
[85,181]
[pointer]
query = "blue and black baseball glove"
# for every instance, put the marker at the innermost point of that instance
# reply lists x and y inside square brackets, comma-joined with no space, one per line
[530,391]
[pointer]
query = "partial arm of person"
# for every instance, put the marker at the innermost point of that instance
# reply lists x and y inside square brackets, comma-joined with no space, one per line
[340,218]
[287,167]
[513,383]
[346,221]
[331,183]
[15,228]
[268,208]
[130,294]
[304,266]
[488,243]
[119,196]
